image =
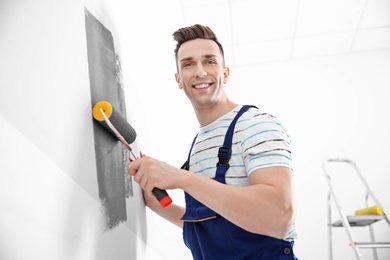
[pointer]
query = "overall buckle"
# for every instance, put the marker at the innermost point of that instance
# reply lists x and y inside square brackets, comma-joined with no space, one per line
[224,154]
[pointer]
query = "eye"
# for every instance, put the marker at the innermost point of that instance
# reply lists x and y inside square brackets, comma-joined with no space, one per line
[210,62]
[188,64]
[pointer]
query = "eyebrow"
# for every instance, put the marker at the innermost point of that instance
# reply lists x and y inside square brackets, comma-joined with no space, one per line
[207,56]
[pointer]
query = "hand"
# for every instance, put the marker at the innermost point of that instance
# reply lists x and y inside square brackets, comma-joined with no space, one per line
[150,173]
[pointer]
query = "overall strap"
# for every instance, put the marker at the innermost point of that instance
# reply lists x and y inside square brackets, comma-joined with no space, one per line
[186,165]
[196,211]
[225,152]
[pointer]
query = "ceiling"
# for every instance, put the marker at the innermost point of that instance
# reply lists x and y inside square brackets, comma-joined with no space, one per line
[261,31]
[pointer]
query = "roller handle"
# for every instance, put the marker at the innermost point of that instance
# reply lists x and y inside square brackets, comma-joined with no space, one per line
[162,196]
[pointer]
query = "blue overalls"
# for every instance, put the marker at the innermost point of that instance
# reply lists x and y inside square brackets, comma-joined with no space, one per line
[210,236]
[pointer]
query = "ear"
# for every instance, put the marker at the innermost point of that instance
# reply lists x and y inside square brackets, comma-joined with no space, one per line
[226,74]
[177,78]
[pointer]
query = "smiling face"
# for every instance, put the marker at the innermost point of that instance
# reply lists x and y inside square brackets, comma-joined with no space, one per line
[201,73]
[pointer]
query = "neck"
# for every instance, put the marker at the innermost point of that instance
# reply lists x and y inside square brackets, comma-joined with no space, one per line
[209,114]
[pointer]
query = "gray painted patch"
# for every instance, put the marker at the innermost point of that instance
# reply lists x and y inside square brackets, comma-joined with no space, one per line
[111,156]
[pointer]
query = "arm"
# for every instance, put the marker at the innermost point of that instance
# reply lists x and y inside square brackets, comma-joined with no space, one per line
[265,207]
[269,201]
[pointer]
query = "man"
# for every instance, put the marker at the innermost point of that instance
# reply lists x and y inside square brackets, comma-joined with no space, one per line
[238,179]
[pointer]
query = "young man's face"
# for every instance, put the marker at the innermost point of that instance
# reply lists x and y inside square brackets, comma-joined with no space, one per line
[201,73]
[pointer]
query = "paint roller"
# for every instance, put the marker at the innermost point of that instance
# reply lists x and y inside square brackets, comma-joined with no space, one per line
[108,117]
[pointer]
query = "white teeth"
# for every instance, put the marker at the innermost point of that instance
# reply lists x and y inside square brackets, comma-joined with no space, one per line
[202,86]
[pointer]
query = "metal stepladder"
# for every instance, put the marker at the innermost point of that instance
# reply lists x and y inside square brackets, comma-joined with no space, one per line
[350,221]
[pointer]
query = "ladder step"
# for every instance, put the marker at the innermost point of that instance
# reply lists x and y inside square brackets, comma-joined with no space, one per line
[359,220]
[373,244]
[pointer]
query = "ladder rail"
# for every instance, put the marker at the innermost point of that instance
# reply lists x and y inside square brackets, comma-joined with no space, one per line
[343,216]
[330,243]
[371,229]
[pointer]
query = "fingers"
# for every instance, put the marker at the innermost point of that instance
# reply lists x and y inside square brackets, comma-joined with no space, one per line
[137,168]
[133,167]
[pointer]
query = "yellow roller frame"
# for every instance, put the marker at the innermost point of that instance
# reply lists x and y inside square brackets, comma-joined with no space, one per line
[105,106]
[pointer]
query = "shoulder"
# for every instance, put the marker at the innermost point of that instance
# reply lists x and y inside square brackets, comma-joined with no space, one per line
[263,139]
[255,119]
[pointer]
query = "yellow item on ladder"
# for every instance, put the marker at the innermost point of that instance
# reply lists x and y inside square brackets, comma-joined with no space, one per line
[374,210]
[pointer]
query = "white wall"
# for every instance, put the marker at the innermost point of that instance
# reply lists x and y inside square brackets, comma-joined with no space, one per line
[49,194]
[332,106]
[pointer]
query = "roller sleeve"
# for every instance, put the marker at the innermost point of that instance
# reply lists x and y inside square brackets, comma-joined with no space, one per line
[116,119]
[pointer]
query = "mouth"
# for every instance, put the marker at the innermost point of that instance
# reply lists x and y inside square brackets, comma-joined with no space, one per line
[202,85]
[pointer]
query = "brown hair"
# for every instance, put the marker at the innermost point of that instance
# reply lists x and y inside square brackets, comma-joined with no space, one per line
[196,31]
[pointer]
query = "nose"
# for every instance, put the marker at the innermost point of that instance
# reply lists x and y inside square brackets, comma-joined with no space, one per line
[200,72]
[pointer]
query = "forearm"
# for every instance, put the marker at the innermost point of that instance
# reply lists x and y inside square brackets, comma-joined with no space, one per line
[173,213]
[258,208]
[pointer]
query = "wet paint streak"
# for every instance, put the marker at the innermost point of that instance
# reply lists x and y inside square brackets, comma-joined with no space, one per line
[111,156]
